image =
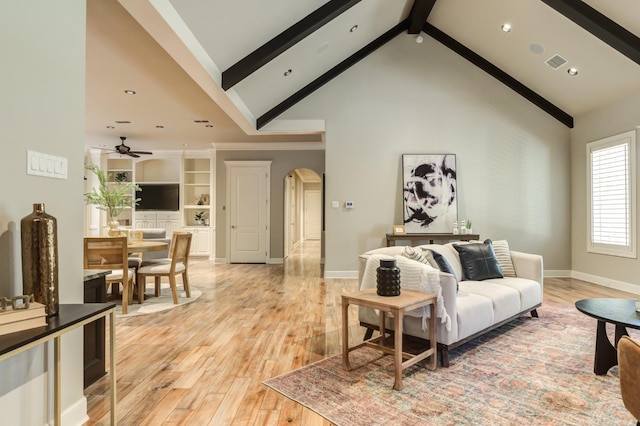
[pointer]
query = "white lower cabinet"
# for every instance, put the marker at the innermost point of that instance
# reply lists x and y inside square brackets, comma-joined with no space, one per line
[169,221]
[200,241]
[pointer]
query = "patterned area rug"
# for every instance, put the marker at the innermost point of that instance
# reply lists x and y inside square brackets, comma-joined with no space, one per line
[535,371]
[154,304]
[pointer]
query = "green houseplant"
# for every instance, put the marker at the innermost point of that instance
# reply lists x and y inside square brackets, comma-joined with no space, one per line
[199,217]
[112,197]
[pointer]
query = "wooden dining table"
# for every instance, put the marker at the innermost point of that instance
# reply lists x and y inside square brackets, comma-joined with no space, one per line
[147,246]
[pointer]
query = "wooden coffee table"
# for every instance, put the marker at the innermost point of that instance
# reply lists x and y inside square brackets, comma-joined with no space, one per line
[407,301]
[622,313]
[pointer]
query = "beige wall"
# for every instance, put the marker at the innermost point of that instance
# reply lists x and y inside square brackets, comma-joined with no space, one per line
[619,117]
[512,158]
[42,81]
[283,163]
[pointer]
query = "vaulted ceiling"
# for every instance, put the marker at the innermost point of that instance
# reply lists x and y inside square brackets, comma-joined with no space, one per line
[223,72]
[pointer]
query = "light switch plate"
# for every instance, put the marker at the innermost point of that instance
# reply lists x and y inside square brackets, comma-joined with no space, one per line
[39,164]
[335,204]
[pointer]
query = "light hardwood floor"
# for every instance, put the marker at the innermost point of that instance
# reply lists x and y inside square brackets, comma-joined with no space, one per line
[204,363]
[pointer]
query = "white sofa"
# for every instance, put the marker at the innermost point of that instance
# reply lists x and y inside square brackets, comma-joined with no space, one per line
[477,307]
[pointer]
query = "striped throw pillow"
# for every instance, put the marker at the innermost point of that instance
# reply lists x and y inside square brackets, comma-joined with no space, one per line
[501,249]
[414,254]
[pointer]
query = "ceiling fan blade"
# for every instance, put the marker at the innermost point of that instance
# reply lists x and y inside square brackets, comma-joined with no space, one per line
[103,148]
[132,154]
[142,152]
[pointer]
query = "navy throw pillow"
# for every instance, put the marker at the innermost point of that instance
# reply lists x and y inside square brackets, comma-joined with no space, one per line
[442,262]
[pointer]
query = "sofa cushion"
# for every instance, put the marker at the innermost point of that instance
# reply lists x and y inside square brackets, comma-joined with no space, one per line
[416,255]
[505,299]
[503,254]
[530,290]
[478,261]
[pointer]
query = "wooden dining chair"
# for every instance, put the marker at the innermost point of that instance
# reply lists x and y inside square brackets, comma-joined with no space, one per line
[176,264]
[111,253]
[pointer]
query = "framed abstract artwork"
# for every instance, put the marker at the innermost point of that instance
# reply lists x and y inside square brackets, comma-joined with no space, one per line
[430,202]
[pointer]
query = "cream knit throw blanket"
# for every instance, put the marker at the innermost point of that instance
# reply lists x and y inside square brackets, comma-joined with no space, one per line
[413,276]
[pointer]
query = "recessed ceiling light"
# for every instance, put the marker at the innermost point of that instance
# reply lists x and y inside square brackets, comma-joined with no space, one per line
[110,127]
[130,92]
[288,72]
[208,125]
[123,122]
[572,71]
[200,121]
[322,48]
[159,127]
[536,48]
[353,29]
[506,27]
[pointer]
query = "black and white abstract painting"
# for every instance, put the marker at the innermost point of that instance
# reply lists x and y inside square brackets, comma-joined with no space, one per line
[429,193]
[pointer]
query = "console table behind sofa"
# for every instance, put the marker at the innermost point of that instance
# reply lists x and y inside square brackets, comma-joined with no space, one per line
[414,238]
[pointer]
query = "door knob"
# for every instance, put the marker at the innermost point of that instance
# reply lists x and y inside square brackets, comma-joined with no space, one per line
[233,226]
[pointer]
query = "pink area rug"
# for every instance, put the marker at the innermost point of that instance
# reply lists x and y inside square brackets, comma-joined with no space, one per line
[533,371]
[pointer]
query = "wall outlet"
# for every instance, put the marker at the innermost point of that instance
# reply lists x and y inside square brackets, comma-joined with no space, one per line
[348,204]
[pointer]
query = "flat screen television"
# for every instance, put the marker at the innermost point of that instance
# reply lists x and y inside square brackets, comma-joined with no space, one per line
[158,196]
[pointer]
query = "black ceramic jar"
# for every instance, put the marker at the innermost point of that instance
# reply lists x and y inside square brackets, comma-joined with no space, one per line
[388,278]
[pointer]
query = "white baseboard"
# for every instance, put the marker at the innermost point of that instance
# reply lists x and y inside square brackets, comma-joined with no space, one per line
[341,274]
[607,282]
[221,260]
[76,414]
[557,274]
[276,261]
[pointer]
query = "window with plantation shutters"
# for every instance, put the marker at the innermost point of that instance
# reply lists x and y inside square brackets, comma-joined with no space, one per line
[611,198]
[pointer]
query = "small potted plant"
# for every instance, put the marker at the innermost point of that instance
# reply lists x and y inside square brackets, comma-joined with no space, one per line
[199,217]
[469,230]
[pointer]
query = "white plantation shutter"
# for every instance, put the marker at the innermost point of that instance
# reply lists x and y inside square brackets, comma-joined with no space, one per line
[611,171]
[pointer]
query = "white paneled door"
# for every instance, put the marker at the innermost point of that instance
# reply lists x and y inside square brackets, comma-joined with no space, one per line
[312,215]
[248,220]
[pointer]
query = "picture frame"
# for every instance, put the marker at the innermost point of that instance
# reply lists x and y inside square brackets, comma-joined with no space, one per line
[429,188]
[399,230]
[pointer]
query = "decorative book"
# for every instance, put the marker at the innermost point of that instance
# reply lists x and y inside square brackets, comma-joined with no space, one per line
[13,320]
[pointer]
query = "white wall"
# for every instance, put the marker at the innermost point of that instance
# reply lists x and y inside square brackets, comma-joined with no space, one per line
[512,158]
[42,82]
[619,117]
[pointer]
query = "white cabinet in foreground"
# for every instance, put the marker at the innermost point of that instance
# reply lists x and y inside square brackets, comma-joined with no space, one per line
[200,241]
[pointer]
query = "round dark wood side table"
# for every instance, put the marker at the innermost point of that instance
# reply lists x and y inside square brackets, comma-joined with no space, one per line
[620,312]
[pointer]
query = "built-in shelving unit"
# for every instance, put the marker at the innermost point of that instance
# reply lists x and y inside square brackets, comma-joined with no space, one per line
[196,195]
[197,198]
[121,170]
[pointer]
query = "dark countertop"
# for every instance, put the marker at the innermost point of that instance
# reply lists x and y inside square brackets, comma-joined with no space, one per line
[90,274]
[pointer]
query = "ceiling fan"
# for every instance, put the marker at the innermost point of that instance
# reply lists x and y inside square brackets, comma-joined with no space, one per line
[123,149]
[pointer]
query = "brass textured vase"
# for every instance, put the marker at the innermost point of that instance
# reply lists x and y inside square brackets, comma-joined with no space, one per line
[39,236]
[388,275]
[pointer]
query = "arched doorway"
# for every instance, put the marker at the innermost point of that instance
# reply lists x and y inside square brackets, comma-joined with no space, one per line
[302,208]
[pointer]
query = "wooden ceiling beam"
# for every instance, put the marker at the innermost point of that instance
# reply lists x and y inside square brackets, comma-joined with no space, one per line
[499,75]
[599,25]
[332,73]
[419,13]
[292,35]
